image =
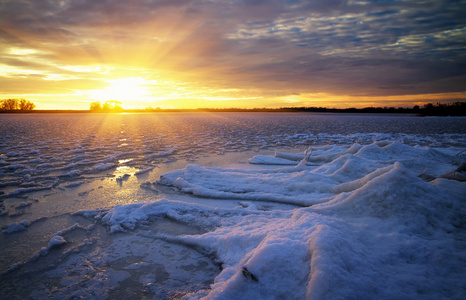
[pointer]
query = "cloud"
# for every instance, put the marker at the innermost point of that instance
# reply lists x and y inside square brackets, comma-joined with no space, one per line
[275,47]
[376,47]
[37,85]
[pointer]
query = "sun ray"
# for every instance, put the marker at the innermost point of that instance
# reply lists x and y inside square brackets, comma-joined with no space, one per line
[123,89]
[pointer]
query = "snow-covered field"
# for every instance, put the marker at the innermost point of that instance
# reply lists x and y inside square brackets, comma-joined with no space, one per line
[232,206]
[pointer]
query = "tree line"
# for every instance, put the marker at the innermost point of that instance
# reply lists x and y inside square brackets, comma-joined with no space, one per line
[429,109]
[16,104]
[108,106]
[451,109]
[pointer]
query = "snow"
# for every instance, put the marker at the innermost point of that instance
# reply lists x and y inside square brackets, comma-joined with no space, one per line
[56,241]
[100,167]
[333,215]
[160,154]
[269,160]
[372,228]
[16,227]
[143,171]
[75,183]
[73,173]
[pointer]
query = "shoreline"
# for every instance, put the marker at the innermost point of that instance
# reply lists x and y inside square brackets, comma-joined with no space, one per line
[452,109]
[194,111]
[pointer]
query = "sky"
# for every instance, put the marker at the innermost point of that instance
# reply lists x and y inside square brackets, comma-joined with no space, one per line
[66,54]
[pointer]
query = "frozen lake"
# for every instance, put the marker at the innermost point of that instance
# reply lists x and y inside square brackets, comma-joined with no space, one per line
[194,205]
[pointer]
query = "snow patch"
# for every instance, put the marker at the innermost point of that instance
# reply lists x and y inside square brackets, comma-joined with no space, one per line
[16,227]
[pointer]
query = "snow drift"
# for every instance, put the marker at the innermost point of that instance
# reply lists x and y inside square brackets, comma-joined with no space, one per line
[371,229]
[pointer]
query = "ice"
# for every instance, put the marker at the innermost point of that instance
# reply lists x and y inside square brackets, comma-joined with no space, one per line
[305,186]
[140,172]
[138,265]
[147,280]
[15,167]
[75,183]
[385,234]
[20,191]
[283,186]
[160,154]
[73,173]
[16,227]
[331,156]
[23,204]
[36,160]
[269,160]
[56,241]
[102,167]
[12,154]
[232,206]
[44,166]
[123,177]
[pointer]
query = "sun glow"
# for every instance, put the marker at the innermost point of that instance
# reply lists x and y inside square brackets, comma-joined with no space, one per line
[123,90]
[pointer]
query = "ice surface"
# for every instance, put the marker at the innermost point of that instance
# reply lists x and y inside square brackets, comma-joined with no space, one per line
[319,212]
[378,230]
[56,241]
[45,151]
[381,231]
[15,227]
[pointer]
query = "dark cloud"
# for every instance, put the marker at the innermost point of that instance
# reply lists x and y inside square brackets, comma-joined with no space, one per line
[37,84]
[334,46]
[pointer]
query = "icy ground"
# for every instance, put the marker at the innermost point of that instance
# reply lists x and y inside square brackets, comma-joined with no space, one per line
[140,208]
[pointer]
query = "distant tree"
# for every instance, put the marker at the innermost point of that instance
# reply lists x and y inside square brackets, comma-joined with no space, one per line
[16,104]
[117,106]
[26,105]
[108,106]
[112,106]
[150,108]
[95,106]
[450,109]
[9,104]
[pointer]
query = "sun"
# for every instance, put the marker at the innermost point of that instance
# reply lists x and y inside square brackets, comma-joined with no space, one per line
[123,90]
